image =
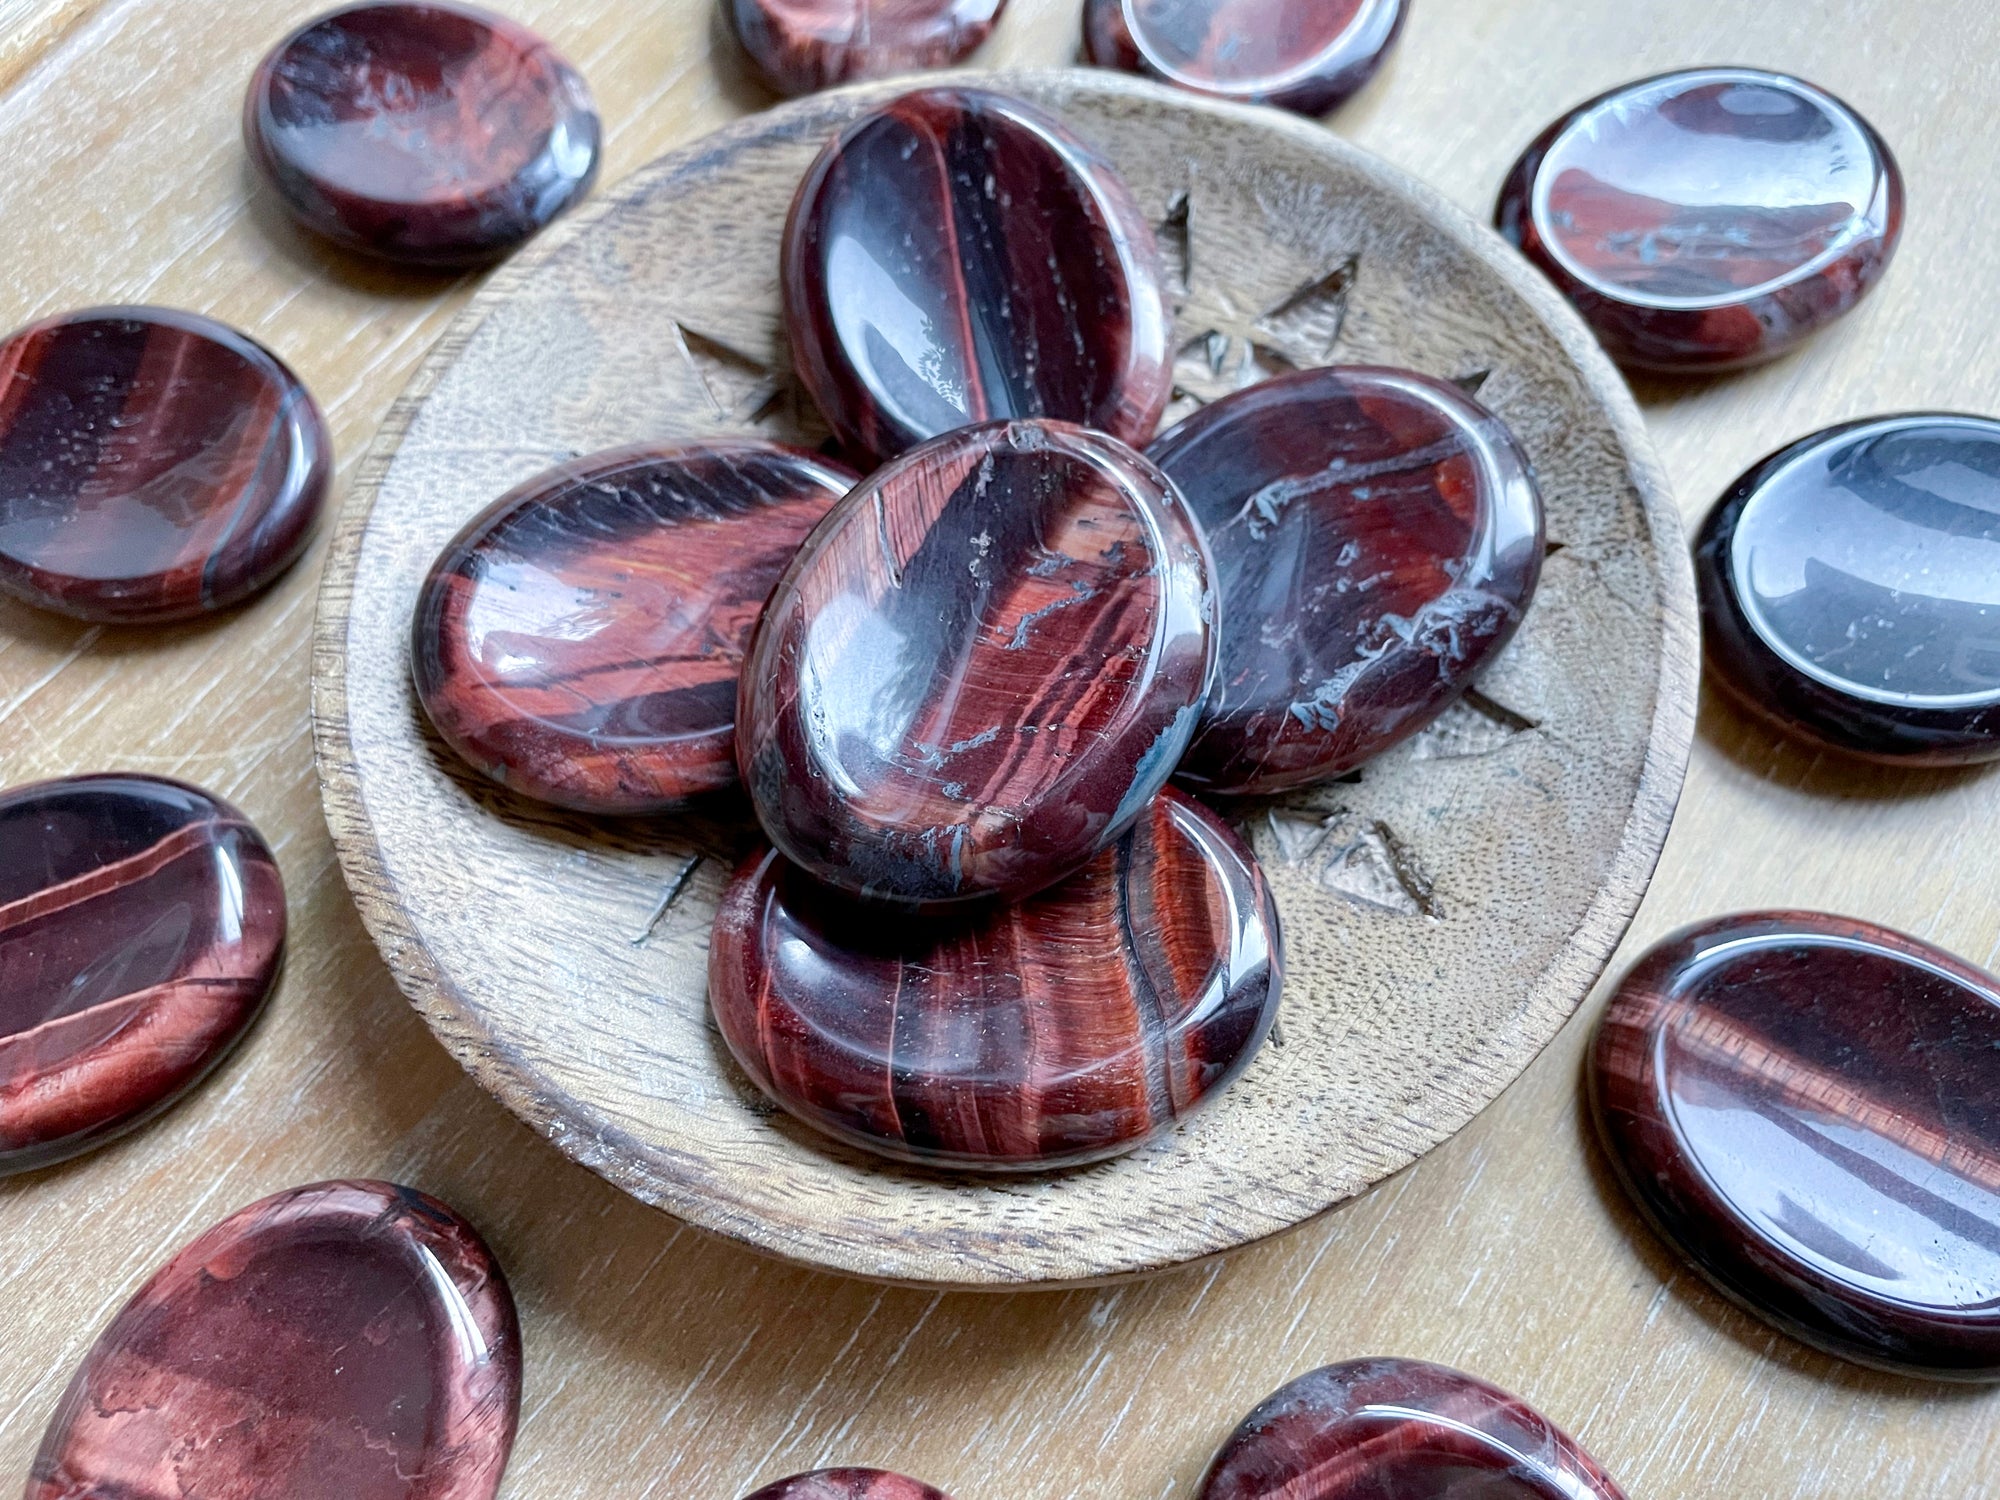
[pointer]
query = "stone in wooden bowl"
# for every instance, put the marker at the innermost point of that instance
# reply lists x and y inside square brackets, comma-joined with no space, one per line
[1444,913]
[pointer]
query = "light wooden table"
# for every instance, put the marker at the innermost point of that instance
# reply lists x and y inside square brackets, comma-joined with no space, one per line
[662,1363]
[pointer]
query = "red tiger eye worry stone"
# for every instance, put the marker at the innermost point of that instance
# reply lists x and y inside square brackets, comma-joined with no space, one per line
[1304,55]
[141,927]
[346,1341]
[434,134]
[1397,1429]
[803,45]
[1060,1030]
[959,257]
[580,641]
[1709,219]
[1808,1108]
[154,465]
[1850,589]
[849,1484]
[1377,537]
[980,668]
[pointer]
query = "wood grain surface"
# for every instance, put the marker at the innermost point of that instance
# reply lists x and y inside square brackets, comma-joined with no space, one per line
[664,1362]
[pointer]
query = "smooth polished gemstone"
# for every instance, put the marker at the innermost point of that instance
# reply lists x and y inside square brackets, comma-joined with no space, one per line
[980,668]
[1305,55]
[849,1484]
[141,927]
[1064,1029]
[1377,537]
[580,641]
[959,257]
[346,1341]
[1709,219]
[434,134]
[1398,1429]
[802,45]
[154,465]
[1850,589]
[1809,1108]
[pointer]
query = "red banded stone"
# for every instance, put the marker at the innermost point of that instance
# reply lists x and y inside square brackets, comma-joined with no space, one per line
[849,1484]
[154,465]
[346,1341]
[434,133]
[799,46]
[980,668]
[1398,1429]
[1304,55]
[1808,1107]
[580,642]
[141,927]
[1377,539]
[959,257]
[1064,1029]
[1708,219]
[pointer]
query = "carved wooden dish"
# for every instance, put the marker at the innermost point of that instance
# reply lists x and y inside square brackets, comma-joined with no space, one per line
[1444,914]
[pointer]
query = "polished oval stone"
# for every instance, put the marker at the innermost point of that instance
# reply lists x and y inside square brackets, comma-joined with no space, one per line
[1398,1429]
[154,465]
[141,927]
[1305,55]
[346,1341]
[1708,219]
[980,668]
[580,641]
[799,46]
[958,257]
[1068,1028]
[1809,1108]
[849,1484]
[432,134]
[1377,537]
[1850,589]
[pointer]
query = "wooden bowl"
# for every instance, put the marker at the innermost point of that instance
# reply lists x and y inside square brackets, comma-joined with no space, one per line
[1444,913]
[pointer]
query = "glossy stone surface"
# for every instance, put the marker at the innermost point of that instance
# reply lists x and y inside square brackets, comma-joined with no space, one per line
[1809,1108]
[799,46]
[432,134]
[1709,219]
[580,641]
[1398,1429]
[1305,55]
[154,465]
[959,257]
[980,668]
[346,1341]
[1377,538]
[1020,1037]
[1850,589]
[141,927]
[849,1484]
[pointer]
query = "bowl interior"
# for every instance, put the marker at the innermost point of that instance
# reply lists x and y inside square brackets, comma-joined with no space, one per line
[1444,912]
